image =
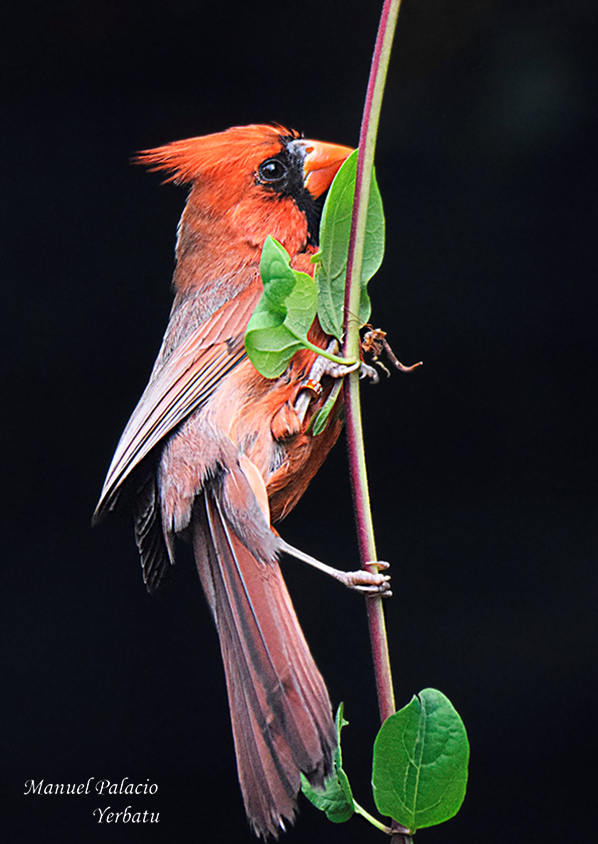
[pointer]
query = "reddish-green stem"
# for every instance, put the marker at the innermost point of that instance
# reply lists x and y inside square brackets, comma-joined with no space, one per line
[357,463]
[359,481]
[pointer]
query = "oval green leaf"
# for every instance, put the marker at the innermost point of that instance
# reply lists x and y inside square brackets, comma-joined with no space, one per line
[421,755]
[335,231]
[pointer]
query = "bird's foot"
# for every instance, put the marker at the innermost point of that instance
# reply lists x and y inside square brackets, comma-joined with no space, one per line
[312,387]
[372,584]
[338,370]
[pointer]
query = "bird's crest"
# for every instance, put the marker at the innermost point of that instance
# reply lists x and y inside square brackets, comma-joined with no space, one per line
[207,155]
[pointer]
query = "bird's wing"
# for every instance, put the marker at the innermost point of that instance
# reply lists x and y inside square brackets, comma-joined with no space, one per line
[185,381]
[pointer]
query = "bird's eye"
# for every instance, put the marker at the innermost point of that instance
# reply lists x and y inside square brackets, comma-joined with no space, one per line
[272,170]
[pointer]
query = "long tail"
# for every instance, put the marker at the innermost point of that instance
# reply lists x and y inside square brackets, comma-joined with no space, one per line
[280,710]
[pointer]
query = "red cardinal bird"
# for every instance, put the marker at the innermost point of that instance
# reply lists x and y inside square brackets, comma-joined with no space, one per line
[214,452]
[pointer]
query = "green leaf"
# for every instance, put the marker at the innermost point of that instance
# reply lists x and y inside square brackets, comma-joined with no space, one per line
[320,419]
[331,260]
[420,762]
[337,798]
[284,314]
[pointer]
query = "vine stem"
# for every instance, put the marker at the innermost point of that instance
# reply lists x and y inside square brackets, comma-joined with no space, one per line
[351,349]
[357,463]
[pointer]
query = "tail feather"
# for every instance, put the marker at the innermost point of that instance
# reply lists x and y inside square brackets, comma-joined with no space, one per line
[280,711]
[149,534]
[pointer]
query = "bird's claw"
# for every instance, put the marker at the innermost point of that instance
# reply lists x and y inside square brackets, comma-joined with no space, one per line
[372,584]
[382,564]
[339,370]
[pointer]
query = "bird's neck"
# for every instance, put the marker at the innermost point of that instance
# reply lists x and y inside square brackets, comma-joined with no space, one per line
[212,245]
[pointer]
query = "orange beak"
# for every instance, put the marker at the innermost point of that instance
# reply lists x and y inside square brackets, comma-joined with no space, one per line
[321,164]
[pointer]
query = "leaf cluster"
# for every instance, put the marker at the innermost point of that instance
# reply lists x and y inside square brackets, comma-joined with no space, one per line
[284,314]
[419,773]
[291,299]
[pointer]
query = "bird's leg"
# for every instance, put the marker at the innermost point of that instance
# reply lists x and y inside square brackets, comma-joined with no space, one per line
[322,366]
[369,583]
[312,386]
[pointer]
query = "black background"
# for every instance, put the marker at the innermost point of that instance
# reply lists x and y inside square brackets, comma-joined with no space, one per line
[483,462]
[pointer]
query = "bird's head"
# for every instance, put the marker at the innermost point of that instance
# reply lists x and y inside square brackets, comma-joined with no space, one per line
[249,182]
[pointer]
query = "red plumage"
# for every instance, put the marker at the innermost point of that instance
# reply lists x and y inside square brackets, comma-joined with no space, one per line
[214,451]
